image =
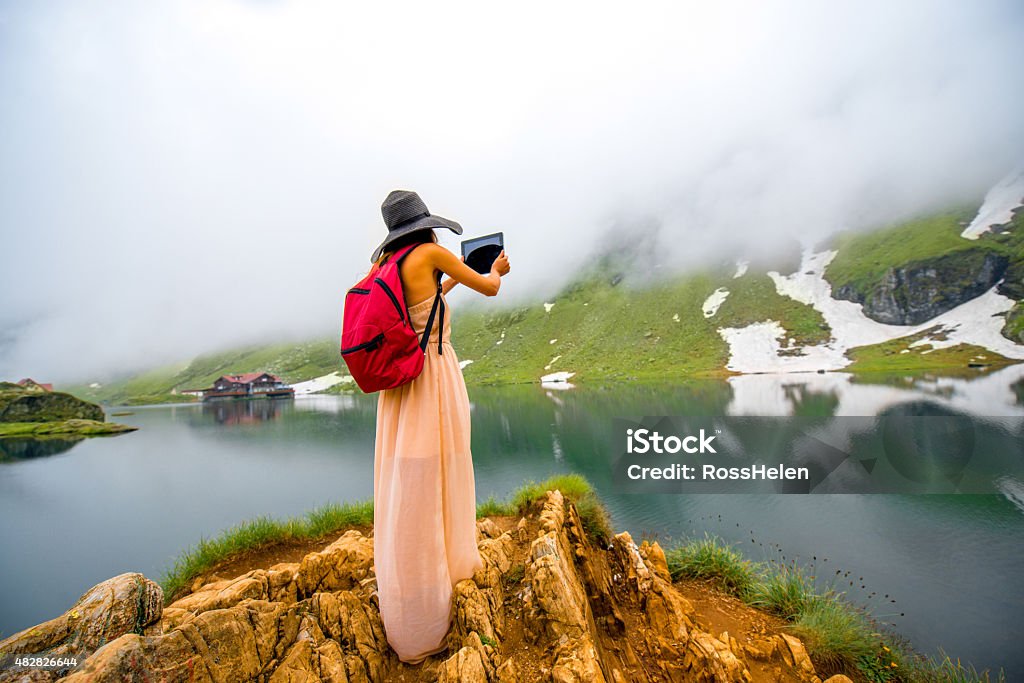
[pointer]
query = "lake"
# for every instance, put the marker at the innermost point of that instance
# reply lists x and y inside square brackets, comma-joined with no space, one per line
[78,513]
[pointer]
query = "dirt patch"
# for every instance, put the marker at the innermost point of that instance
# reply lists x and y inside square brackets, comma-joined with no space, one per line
[717,612]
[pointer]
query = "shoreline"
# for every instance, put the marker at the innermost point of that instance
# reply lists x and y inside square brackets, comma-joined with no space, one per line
[62,429]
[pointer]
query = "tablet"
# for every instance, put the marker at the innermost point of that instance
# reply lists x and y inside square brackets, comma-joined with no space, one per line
[480,252]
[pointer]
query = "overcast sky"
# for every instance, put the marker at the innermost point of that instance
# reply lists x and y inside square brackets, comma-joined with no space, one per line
[178,176]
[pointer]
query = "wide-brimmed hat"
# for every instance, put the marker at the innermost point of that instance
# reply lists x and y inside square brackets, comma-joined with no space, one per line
[405,212]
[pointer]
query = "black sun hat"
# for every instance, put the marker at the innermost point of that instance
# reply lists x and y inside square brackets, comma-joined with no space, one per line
[405,212]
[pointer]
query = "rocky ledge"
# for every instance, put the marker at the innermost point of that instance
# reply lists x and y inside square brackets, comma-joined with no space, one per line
[550,604]
[29,404]
[916,292]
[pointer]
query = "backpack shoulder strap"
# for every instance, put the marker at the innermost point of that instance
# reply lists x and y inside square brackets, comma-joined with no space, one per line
[405,251]
[438,304]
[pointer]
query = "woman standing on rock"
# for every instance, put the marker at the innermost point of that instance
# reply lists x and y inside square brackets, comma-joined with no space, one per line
[424,494]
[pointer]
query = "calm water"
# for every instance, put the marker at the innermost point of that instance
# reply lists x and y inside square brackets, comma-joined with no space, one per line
[76,514]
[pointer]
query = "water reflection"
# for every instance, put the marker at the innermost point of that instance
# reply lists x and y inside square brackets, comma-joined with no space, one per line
[13,450]
[840,393]
[243,412]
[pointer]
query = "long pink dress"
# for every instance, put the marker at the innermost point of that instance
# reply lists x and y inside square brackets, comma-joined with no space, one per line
[424,513]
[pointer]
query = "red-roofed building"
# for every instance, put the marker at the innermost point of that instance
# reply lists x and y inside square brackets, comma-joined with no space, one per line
[248,385]
[30,383]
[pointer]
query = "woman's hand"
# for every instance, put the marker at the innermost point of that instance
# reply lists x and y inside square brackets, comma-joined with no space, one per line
[500,265]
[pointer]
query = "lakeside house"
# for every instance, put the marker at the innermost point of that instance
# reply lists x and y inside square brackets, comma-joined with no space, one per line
[248,385]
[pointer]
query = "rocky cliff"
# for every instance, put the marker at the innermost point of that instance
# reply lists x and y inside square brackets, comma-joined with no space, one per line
[915,292]
[550,604]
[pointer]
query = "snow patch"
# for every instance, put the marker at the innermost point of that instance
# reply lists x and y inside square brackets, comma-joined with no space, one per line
[316,384]
[741,268]
[552,341]
[756,348]
[548,307]
[464,363]
[997,209]
[557,377]
[712,303]
[548,366]
[675,317]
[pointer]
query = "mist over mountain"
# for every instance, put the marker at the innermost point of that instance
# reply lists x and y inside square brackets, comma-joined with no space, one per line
[180,177]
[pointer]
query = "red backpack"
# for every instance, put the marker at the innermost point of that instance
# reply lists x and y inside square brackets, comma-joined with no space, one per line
[378,343]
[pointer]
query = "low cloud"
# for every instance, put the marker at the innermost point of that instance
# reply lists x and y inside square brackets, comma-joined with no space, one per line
[177,177]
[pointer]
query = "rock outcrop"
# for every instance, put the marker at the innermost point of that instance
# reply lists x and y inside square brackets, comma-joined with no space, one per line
[18,404]
[916,292]
[550,604]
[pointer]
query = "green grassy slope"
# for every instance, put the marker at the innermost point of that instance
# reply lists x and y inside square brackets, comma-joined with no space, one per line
[293,362]
[602,331]
[864,258]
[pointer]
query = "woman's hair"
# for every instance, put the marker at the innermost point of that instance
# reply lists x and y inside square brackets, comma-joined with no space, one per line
[416,237]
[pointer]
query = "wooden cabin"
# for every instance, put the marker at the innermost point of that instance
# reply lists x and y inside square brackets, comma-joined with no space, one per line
[248,385]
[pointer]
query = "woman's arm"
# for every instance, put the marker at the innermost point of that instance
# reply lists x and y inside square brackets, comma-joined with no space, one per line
[450,283]
[447,263]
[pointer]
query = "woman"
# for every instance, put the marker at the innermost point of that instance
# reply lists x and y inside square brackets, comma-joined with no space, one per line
[424,514]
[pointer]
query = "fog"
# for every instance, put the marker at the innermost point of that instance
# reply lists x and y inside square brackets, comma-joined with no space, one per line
[176,177]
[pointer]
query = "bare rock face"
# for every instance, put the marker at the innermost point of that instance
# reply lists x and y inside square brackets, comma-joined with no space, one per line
[919,291]
[549,604]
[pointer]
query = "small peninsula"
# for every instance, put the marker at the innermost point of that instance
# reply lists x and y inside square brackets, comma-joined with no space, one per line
[32,410]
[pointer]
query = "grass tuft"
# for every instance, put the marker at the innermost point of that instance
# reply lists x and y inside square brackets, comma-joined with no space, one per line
[785,591]
[710,558]
[836,635]
[943,669]
[492,507]
[576,488]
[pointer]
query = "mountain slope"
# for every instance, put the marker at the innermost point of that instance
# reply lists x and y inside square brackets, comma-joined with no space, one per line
[291,361]
[599,330]
[926,293]
[910,273]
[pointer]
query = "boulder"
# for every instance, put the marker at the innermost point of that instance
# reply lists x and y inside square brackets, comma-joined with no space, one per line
[124,604]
